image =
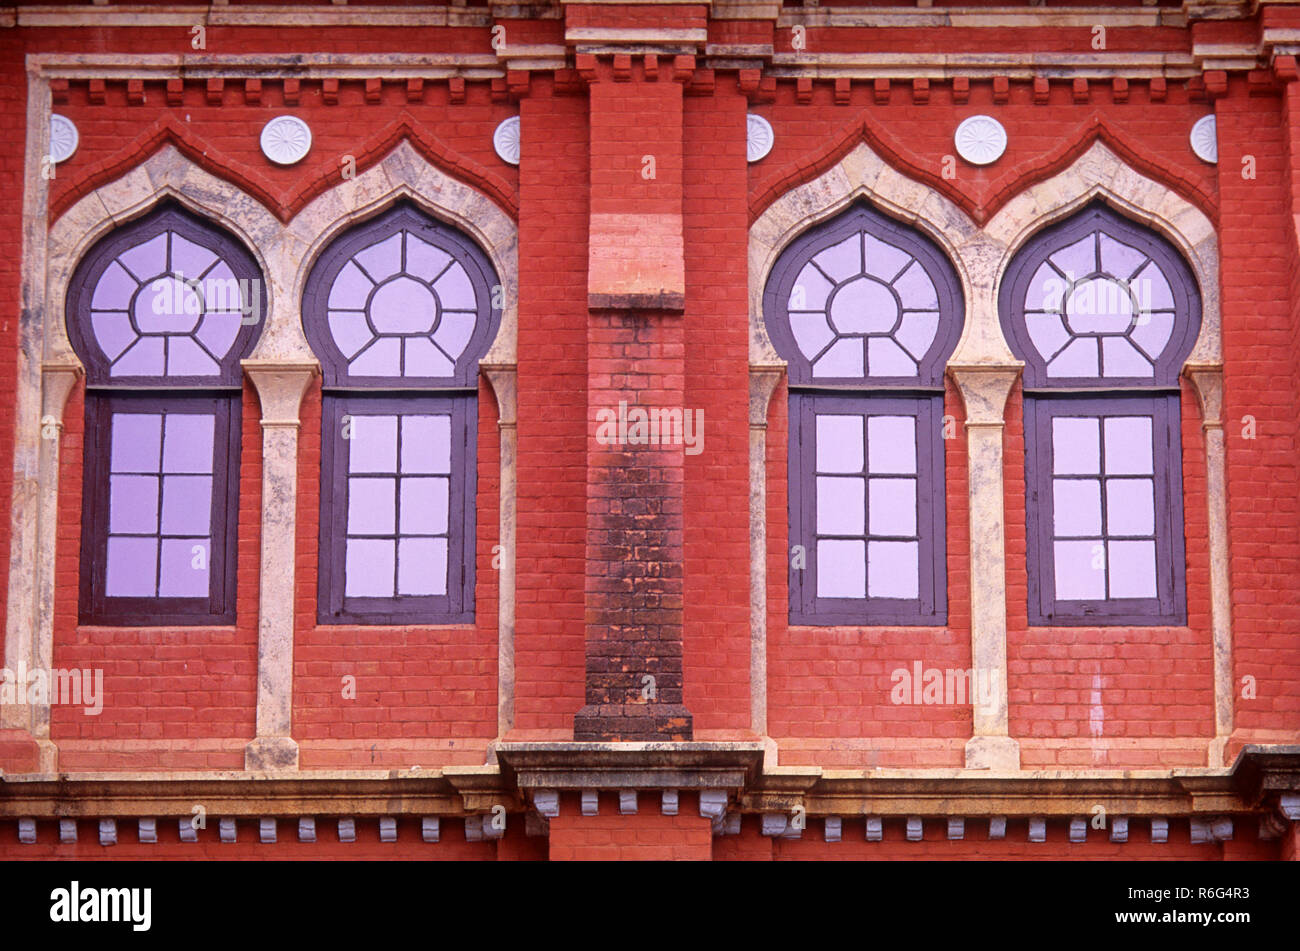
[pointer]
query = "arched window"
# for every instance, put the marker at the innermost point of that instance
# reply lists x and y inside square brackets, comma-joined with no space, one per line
[399,310]
[161,311]
[1103,312]
[865,311]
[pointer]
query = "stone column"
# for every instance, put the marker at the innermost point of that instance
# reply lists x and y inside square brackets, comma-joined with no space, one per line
[762,383]
[31,644]
[984,390]
[504,381]
[1207,382]
[280,388]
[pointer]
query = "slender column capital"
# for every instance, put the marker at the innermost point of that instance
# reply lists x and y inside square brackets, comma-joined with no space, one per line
[57,380]
[984,388]
[280,389]
[503,378]
[1207,383]
[763,379]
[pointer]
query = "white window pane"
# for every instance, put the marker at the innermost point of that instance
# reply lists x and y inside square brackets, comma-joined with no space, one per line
[842,261]
[132,568]
[892,569]
[1132,569]
[424,506]
[372,445]
[841,569]
[886,358]
[187,505]
[840,506]
[1128,445]
[1080,570]
[842,359]
[1122,359]
[371,506]
[893,506]
[839,443]
[811,333]
[1078,359]
[1076,446]
[1130,507]
[891,444]
[186,563]
[426,444]
[422,566]
[368,569]
[137,442]
[1076,507]
[810,290]
[133,504]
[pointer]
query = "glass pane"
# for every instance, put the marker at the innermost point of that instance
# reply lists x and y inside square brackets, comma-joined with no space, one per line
[1128,445]
[114,290]
[185,568]
[137,442]
[188,443]
[1077,359]
[1130,507]
[1076,446]
[844,359]
[132,568]
[383,259]
[424,506]
[1077,260]
[187,505]
[167,305]
[426,444]
[372,446]
[143,358]
[811,333]
[841,569]
[863,306]
[423,260]
[884,260]
[886,358]
[916,333]
[839,443]
[113,331]
[893,507]
[892,569]
[1099,306]
[350,331]
[1080,570]
[840,506]
[1046,290]
[810,290]
[843,260]
[217,332]
[371,506]
[1047,333]
[916,289]
[403,306]
[424,359]
[1152,289]
[1119,259]
[454,330]
[351,289]
[891,444]
[133,504]
[368,568]
[1076,508]
[147,260]
[454,290]
[383,358]
[1122,359]
[1152,332]
[190,260]
[222,293]
[186,358]
[422,566]
[1132,569]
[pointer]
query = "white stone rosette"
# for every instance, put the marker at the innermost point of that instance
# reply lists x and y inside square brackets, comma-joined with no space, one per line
[980,140]
[506,140]
[759,138]
[1205,139]
[63,138]
[286,140]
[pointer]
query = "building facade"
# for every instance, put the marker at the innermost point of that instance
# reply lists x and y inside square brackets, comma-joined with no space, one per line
[734,430]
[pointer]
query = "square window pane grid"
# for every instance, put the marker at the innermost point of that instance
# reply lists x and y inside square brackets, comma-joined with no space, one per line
[398,505]
[160,504]
[866,527]
[1103,507]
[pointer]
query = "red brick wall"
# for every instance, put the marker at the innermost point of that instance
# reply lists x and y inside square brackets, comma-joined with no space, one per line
[647,836]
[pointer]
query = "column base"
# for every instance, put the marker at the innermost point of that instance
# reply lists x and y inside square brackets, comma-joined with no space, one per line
[269,753]
[992,752]
[598,722]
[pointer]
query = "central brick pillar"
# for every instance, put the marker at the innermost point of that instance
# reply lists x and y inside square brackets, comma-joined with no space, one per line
[635,377]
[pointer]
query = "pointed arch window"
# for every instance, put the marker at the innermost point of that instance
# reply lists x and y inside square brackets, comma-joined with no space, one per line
[865,311]
[161,311]
[399,310]
[1104,312]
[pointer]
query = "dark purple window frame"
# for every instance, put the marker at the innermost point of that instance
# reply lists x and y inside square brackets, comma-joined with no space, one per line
[786,271]
[219,607]
[167,217]
[1169,607]
[457,605]
[402,217]
[931,605]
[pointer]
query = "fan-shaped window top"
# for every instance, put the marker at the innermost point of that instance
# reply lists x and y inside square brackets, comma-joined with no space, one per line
[166,300]
[863,298]
[1100,300]
[401,300]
